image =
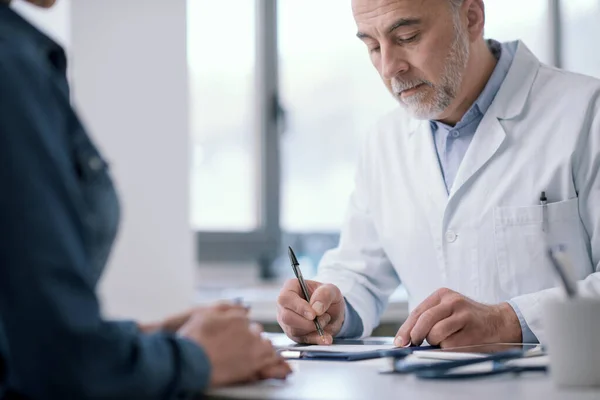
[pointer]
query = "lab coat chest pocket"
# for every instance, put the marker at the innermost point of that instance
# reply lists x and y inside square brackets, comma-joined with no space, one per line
[521,243]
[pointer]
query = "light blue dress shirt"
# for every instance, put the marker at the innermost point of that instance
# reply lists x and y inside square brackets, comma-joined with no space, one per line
[451,144]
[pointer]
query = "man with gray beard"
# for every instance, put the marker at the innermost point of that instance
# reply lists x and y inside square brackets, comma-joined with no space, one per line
[491,158]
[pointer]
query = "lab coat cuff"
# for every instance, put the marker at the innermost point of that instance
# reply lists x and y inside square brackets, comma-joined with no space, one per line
[527,334]
[531,307]
[195,368]
[352,326]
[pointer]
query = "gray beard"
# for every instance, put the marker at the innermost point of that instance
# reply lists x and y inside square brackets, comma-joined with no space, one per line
[450,82]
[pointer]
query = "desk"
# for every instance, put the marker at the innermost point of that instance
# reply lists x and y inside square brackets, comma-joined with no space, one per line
[361,380]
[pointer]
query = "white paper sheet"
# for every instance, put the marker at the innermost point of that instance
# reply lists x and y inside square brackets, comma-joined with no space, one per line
[343,348]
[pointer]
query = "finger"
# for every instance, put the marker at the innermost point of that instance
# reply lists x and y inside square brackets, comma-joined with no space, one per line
[323,297]
[236,303]
[174,322]
[279,370]
[403,335]
[324,320]
[427,320]
[292,301]
[312,328]
[458,339]
[234,317]
[238,312]
[265,354]
[315,338]
[300,326]
[256,328]
[444,329]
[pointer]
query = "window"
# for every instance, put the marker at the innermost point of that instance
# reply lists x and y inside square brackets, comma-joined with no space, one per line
[221,66]
[333,96]
[527,20]
[580,26]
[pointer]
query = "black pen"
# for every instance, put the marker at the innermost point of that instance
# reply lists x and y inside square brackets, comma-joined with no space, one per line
[298,273]
[544,204]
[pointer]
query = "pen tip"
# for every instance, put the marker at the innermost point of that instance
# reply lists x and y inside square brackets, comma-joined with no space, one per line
[292,256]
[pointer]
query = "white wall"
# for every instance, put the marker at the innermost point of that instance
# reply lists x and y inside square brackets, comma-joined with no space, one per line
[129,78]
[55,21]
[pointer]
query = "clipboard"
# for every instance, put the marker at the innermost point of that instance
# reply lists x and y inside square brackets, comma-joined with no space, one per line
[396,353]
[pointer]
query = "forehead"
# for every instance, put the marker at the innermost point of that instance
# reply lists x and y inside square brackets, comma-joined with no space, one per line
[371,12]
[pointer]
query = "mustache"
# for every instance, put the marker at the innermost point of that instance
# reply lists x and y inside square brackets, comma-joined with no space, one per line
[399,86]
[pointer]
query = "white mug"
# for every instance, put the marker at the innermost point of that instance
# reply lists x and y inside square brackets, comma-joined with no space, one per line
[573,341]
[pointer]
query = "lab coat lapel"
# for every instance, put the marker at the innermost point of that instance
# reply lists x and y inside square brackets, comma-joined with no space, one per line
[509,103]
[487,140]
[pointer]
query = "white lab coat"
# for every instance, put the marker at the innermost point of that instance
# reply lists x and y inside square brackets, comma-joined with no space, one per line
[484,239]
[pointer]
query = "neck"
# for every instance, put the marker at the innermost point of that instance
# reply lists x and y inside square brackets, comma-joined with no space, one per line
[479,69]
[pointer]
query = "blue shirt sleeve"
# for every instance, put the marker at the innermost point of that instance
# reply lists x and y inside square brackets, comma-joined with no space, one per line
[527,334]
[57,345]
[352,327]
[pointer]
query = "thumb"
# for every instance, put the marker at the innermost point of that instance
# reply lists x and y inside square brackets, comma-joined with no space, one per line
[323,297]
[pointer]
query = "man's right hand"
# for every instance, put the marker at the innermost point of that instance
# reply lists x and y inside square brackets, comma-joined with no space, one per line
[236,350]
[296,316]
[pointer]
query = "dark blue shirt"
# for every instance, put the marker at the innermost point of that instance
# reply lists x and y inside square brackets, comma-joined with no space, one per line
[58,218]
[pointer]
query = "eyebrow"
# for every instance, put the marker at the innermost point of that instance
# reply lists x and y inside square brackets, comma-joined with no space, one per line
[398,24]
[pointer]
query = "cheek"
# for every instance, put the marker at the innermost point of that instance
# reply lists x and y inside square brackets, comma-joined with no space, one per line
[429,60]
[376,61]
[427,65]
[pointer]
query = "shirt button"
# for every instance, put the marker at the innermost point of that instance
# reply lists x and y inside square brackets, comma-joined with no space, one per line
[451,237]
[455,134]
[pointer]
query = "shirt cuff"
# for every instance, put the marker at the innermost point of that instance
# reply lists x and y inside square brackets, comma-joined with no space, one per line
[194,369]
[526,332]
[352,326]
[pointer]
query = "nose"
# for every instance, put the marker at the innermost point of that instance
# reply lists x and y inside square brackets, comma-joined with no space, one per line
[393,62]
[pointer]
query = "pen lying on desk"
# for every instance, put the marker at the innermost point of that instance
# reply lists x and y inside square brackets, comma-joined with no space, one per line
[298,273]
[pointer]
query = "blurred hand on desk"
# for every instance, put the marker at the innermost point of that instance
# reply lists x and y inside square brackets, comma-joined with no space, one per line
[296,316]
[175,322]
[236,350]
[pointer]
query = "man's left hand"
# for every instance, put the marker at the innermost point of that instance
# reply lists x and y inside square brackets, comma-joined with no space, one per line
[449,319]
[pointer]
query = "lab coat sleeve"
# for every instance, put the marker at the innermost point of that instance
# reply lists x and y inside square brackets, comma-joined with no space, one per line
[352,326]
[527,335]
[586,174]
[359,265]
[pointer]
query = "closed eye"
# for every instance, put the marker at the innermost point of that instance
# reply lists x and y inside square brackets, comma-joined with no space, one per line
[409,39]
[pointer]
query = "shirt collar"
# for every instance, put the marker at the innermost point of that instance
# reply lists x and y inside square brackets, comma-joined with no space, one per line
[13,25]
[504,56]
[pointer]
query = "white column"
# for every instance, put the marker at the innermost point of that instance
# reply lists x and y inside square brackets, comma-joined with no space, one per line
[129,75]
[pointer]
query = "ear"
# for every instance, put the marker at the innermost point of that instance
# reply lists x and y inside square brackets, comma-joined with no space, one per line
[475,18]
